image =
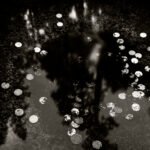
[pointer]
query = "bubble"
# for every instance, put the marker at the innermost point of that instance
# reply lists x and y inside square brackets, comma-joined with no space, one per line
[143,35]
[29,76]
[5,85]
[132,52]
[43,52]
[18,92]
[18,44]
[67,117]
[138,55]
[120,41]
[138,73]
[74,125]
[76,139]
[116,34]
[122,96]
[138,94]
[129,116]
[147,68]
[97,144]
[122,47]
[37,49]
[134,60]
[59,15]
[33,119]
[135,107]
[60,24]
[19,112]
[71,131]
[43,100]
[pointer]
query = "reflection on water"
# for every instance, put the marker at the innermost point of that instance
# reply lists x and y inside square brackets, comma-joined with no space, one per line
[96,78]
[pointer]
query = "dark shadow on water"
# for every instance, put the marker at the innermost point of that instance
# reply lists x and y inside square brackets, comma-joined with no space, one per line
[66,62]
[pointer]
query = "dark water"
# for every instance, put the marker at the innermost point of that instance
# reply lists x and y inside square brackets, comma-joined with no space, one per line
[89,61]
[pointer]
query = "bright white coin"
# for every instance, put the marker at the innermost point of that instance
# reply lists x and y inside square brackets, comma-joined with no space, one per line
[122,47]
[71,131]
[60,24]
[141,87]
[122,96]
[138,73]
[33,119]
[18,92]
[75,111]
[59,15]
[143,35]
[43,100]
[134,60]
[41,31]
[120,41]
[18,44]
[148,48]
[19,112]
[132,52]
[129,116]
[67,117]
[138,94]
[138,55]
[135,107]
[116,34]
[147,68]
[5,85]
[29,76]
[37,49]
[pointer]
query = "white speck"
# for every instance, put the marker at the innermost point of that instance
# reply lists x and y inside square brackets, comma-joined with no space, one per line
[76,139]
[132,52]
[138,55]
[75,111]
[59,15]
[41,31]
[147,68]
[74,125]
[138,94]
[122,96]
[73,14]
[97,144]
[60,24]
[18,92]
[71,131]
[99,11]
[116,34]
[138,73]
[135,107]
[37,49]
[67,117]
[134,60]
[120,41]
[33,119]
[143,35]
[5,85]
[19,112]
[129,116]
[18,44]
[122,47]
[126,65]
[43,100]
[29,76]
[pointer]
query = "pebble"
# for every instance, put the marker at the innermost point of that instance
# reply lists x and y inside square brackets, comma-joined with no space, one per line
[29,76]
[5,85]
[43,100]
[97,144]
[116,34]
[122,96]
[135,107]
[19,112]
[18,92]
[33,119]
[76,139]
[18,44]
